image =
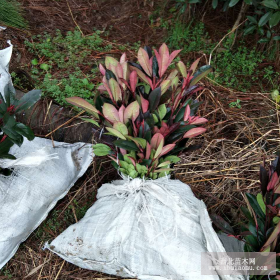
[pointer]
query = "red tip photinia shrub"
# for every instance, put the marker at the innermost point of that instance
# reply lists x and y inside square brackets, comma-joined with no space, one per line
[148,109]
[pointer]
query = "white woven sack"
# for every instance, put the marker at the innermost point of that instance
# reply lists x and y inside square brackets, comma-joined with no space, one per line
[146,229]
[5,56]
[27,196]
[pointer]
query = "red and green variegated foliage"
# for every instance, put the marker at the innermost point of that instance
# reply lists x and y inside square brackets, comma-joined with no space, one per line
[148,109]
[261,232]
[13,132]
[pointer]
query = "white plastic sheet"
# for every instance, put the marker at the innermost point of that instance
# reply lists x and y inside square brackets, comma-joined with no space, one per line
[146,229]
[27,196]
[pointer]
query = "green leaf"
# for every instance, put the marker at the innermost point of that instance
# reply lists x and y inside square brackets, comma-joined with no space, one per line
[133,174]
[5,146]
[138,141]
[142,142]
[121,127]
[101,149]
[13,135]
[34,61]
[163,170]
[233,3]
[270,4]
[124,164]
[247,213]
[159,149]
[154,98]
[155,118]
[249,29]
[276,38]
[253,241]
[276,220]
[116,90]
[215,4]
[201,73]
[127,145]
[164,164]
[141,168]
[91,121]
[275,94]
[274,19]
[255,205]
[7,156]
[44,66]
[252,19]
[28,100]
[172,159]
[261,202]
[80,102]
[264,19]
[116,133]
[24,131]
[162,111]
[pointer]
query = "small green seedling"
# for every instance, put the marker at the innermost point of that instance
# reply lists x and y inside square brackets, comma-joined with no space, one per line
[235,104]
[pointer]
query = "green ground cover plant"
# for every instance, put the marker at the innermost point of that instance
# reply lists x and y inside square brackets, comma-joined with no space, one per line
[235,67]
[64,66]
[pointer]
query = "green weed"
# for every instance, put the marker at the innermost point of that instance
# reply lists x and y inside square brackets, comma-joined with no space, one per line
[236,68]
[64,66]
[11,14]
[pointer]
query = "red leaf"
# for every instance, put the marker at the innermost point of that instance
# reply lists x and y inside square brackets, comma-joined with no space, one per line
[119,71]
[194,65]
[277,201]
[172,56]
[102,69]
[140,155]
[143,76]
[166,149]
[164,53]
[272,237]
[155,141]
[194,132]
[187,113]
[200,121]
[121,113]
[143,59]
[101,88]
[273,181]
[133,80]
[159,61]
[123,151]
[144,104]
[132,160]
[107,88]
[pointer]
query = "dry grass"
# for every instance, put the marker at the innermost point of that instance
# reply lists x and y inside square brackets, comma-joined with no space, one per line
[235,145]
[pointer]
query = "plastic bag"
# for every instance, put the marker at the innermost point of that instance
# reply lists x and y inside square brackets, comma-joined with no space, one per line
[38,181]
[146,229]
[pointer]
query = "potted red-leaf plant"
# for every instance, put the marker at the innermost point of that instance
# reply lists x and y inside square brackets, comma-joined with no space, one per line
[145,225]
